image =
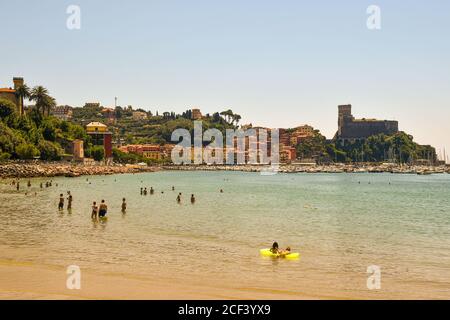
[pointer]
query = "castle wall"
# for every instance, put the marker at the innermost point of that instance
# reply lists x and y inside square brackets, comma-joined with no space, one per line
[351,128]
[364,129]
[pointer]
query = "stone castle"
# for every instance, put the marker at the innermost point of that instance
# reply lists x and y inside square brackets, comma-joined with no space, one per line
[352,129]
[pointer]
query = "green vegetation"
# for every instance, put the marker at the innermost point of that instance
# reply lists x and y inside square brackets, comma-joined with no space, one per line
[97,153]
[36,134]
[156,129]
[399,148]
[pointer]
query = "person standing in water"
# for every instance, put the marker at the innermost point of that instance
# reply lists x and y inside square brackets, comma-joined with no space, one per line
[69,201]
[94,210]
[103,209]
[152,191]
[179,198]
[18,185]
[29,183]
[192,199]
[61,202]
[173,188]
[124,205]
[142,191]
[145,191]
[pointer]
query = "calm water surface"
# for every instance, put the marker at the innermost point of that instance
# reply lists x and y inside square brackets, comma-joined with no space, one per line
[340,223]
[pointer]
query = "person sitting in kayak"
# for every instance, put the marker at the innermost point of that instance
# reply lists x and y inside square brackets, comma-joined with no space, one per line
[285,252]
[274,248]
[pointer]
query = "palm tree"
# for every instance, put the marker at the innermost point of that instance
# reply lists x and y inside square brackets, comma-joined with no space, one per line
[44,102]
[22,92]
[228,114]
[236,118]
[50,103]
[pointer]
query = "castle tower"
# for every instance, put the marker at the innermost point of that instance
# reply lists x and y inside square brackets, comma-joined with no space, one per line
[18,82]
[345,112]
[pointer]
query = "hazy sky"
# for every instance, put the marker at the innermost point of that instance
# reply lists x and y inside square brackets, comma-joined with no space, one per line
[277,63]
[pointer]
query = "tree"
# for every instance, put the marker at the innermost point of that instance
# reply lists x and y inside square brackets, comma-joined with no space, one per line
[23,92]
[49,150]
[236,119]
[228,115]
[43,101]
[7,108]
[27,151]
[98,153]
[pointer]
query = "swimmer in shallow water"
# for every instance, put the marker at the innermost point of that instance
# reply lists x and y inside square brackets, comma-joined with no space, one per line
[69,201]
[192,199]
[94,212]
[103,209]
[124,205]
[61,202]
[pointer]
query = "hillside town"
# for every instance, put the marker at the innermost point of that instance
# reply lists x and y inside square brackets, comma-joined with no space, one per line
[117,135]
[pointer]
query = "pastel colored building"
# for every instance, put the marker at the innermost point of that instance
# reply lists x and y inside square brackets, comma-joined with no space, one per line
[78,150]
[147,151]
[100,137]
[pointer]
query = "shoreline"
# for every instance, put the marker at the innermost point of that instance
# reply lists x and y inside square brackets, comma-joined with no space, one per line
[334,168]
[42,169]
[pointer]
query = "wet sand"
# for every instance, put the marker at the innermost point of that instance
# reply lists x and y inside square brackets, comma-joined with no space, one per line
[29,281]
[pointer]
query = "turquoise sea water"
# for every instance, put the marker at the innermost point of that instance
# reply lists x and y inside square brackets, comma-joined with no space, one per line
[340,224]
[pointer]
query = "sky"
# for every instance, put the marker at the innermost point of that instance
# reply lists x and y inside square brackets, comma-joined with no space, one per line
[276,63]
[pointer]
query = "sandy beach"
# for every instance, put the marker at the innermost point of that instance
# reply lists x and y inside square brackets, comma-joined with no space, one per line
[25,280]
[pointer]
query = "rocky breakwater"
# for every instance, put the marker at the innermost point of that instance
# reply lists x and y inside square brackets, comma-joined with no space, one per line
[29,170]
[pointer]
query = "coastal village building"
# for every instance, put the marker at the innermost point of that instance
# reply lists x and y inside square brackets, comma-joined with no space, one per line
[149,151]
[352,129]
[139,115]
[62,112]
[78,150]
[100,137]
[301,133]
[109,114]
[288,154]
[196,114]
[10,94]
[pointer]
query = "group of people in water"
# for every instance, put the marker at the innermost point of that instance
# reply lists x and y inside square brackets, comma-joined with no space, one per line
[145,192]
[16,184]
[69,201]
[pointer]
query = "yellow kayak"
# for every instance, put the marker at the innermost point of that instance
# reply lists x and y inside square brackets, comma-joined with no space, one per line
[268,253]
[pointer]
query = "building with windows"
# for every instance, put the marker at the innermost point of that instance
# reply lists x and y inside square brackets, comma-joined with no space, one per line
[154,152]
[100,137]
[62,112]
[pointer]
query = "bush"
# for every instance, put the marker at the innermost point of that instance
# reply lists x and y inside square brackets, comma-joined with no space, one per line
[27,151]
[49,150]
[97,152]
[4,156]
[7,108]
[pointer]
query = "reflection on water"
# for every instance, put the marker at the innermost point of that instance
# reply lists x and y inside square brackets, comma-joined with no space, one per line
[340,223]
